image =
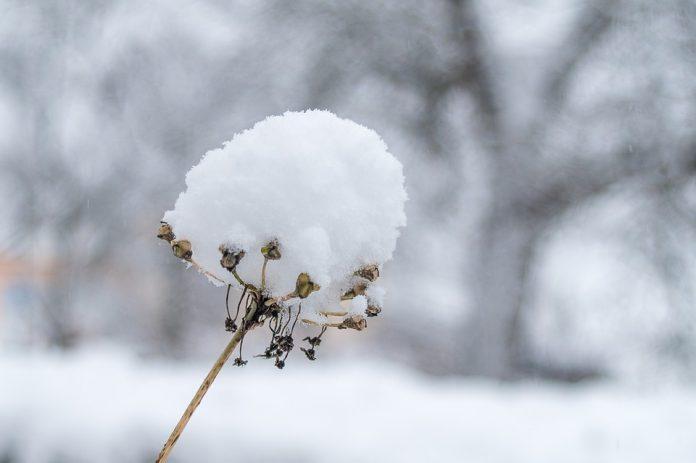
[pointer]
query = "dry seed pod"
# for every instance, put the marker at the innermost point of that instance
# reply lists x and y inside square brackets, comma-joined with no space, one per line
[370,272]
[182,249]
[271,251]
[165,232]
[305,286]
[285,343]
[355,322]
[373,310]
[230,257]
[309,353]
[358,290]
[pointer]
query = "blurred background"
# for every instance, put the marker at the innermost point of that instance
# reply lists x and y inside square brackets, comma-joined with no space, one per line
[542,300]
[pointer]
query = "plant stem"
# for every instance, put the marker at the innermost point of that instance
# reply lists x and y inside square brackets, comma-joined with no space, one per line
[204,271]
[334,314]
[263,273]
[327,325]
[238,278]
[195,402]
[275,300]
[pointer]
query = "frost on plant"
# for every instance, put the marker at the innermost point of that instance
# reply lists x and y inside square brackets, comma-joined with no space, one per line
[299,213]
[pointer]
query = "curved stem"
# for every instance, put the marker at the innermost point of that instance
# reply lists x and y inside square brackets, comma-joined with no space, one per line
[236,277]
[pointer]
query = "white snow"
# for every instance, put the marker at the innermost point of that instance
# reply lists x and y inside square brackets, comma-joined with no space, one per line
[103,406]
[324,187]
[357,305]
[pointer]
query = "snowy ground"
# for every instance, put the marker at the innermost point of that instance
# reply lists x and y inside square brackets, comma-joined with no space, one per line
[107,407]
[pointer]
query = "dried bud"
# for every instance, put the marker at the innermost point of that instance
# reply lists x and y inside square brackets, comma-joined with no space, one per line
[285,343]
[272,308]
[182,249]
[280,364]
[358,290]
[165,232]
[370,272]
[269,352]
[314,342]
[230,257]
[230,325]
[238,362]
[271,251]
[305,286]
[373,310]
[311,355]
[354,322]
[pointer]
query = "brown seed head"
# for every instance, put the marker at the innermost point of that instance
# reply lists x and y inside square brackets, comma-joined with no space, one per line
[182,249]
[305,286]
[358,290]
[355,322]
[271,251]
[230,257]
[370,272]
[373,310]
[165,232]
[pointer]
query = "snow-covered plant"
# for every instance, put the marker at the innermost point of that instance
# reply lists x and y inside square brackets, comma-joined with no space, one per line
[300,213]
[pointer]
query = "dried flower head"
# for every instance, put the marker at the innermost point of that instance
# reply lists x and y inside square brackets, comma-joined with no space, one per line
[358,290]
[304,286]
[182,249]
[271,251]
[373,310]
[230,257]
[355,322]
[165,232]
[370,272]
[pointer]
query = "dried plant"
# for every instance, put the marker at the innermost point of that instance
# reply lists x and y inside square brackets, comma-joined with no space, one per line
[297,213]
[256,307]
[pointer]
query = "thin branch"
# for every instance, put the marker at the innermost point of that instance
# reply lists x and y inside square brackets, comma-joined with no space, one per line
[204,271]
[590,28]
[227,302]
[474,72]
[581,181]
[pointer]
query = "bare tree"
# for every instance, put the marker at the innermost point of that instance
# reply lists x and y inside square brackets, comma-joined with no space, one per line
[533,180]
[432,76]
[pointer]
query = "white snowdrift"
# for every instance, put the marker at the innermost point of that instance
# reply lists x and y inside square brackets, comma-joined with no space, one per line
[106,407]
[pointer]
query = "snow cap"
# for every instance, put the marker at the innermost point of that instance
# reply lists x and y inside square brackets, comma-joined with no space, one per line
[325,188]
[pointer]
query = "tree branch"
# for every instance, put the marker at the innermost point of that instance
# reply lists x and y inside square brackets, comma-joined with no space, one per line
[591,26]
[474,72]
[578,182]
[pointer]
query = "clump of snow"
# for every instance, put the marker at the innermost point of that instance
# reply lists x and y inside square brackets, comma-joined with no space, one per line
[375,295]
[325,188]
[357,305]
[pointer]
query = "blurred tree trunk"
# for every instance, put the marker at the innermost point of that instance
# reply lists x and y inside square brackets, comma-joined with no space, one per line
[501,273]
[59,318]
[525,197]
[174,312]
